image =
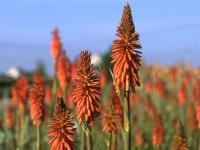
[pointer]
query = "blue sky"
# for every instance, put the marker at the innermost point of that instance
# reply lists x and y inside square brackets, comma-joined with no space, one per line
[169,29]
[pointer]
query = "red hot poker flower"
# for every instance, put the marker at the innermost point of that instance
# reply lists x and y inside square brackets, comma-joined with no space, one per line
[37,110]
[20,93]
[63,70]
[158,132]
[86,91]
[61,128]
[56,44]
[125,57]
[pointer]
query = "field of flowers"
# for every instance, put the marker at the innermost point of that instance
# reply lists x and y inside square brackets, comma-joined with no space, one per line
[119,104]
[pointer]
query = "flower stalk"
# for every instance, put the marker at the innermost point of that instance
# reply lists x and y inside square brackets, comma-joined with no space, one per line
[127,129]
[89,138]
[38,137]
[113,141]
[126,60]
[21,118]
[83,140]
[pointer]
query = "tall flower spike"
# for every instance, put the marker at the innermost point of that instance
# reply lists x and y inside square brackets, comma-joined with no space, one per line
[103,77]
[38,79]
[198,113]
[56,44]
[125,57]
[117,105]
[139,139]
[196,91]
[61,128]
[158,132]
[182,94]
[149,107]
[37,110]
[110,121]
[48,94]
[173,74]
[74,66]
[63,70]
[179,141]
[86,91]
[9,118]
[37,96]
[159,87]
[192,120]
[20,93]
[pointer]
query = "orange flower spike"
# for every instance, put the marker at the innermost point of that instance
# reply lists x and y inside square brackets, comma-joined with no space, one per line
[59,92]
[19,93]
[24,84]
[110,122]
[9,118]
[149,87]
[15,95]
[37,96]
[182,94]
[179,141]
[56,44]
[134,99]
[86,90]
[125,57]
[63,70]
[191,112]
[38,79]
[139,139]
[23,81]
[173,73]
[196,91]
[61,128]
[198,113]
[48,94]
[117,105]
[149,106]
[158,132]
[103,77]
[187,78]
[160,87]
[74,66]
[37,110]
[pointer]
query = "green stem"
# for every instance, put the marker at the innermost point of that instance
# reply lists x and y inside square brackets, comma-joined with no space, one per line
[83,140]
[13,138]
[113,141]
[38,138]
[54,88]
[21,130]
[89,138]
[64,93]
[198,139]
[158,148]
[54,92]
[18,129]
[127,129]
[109,143]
